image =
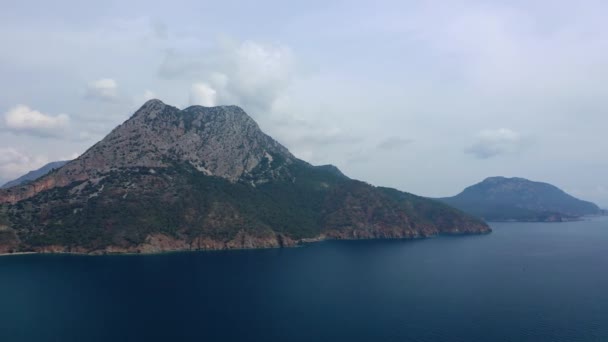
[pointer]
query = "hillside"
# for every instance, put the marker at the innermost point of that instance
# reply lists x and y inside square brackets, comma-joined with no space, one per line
[519,199]
[205,178]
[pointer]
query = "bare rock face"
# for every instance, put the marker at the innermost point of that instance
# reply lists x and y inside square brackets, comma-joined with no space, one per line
[205,178]
[218,141]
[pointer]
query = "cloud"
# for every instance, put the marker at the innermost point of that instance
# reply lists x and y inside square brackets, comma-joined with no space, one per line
[202,94]
[149,95]
[14,163]
[258,74]
[85,135]
[322,136]
[314,141]
[393,143]
[159,28]
[358,157]
[492,143]
[593,192]
[182,66]
[105,89]
[72,156]
[22,119]
[248,74]
[137,100]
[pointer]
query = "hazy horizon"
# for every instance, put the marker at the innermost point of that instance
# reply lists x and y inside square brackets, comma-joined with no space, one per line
[426,97]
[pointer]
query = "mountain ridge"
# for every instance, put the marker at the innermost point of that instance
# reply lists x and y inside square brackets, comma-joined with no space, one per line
[205,178]
[152,115]
[505,199]
[34,174]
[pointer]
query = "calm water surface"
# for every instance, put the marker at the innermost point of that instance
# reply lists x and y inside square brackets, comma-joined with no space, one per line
[524,282]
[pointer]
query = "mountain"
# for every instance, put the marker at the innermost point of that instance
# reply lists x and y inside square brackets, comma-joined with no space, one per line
[33,175]
[519,199]
[205,178]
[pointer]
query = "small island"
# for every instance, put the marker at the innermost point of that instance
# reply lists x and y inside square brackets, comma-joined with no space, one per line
[519,199]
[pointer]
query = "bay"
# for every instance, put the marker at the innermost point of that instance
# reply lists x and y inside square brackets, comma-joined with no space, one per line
[524,282]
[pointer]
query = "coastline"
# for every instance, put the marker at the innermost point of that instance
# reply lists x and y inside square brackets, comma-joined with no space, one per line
[563,219]
[299,243]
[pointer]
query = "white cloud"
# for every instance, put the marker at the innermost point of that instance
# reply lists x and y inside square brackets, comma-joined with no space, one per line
[148,95]
[248,74]
[202,94]
[72,156]
[105,89]
[23,119]
[258,74]
[492,143]
[14,163]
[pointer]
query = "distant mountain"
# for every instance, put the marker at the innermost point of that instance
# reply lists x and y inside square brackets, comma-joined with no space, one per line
[33,175]
[519,199]
[205,178]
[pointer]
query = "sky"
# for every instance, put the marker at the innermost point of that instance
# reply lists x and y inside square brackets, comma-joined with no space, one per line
[425,96]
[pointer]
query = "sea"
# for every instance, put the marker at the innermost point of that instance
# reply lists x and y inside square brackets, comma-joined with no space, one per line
[523,282]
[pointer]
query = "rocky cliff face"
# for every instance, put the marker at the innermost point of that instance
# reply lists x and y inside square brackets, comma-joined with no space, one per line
[205,178]
[218,141]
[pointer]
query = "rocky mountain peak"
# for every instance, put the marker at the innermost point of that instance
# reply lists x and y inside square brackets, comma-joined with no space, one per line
[205,178]
[218,141]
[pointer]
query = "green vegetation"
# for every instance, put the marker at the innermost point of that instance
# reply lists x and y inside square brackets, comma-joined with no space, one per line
[144,188]
[127,206]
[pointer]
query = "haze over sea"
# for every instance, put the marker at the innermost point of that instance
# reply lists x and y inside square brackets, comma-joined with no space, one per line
[524,282]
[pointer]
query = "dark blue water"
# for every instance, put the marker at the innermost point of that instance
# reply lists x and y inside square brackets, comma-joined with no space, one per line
[524,282]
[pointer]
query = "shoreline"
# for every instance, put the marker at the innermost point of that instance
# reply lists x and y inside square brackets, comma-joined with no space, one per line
[301,243]
[575,219]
